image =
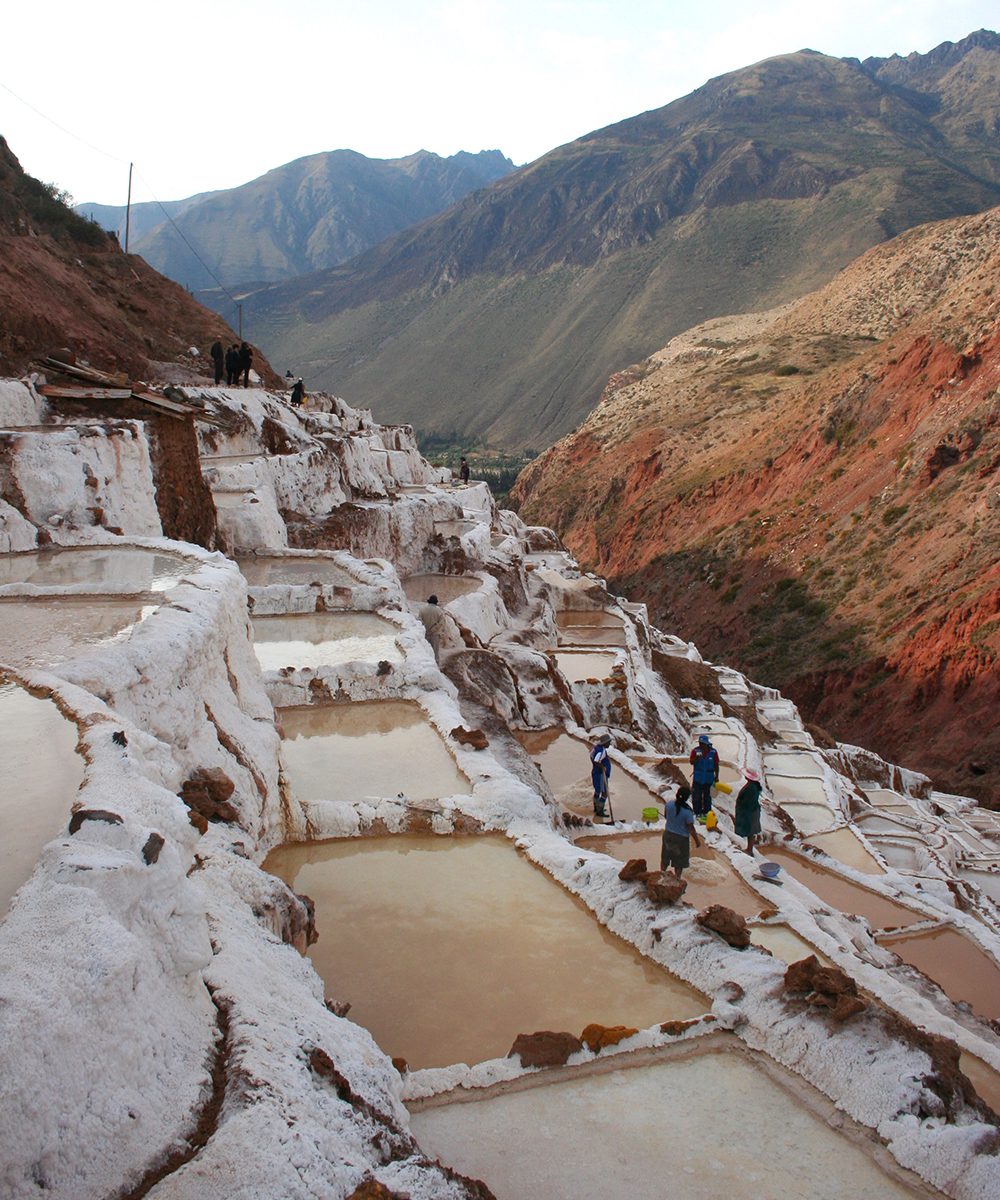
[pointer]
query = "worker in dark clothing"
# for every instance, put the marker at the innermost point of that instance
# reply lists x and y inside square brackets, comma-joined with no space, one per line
[218,360]
[245,363]
[463,470]
[705,761]
[298,394]
[232,364]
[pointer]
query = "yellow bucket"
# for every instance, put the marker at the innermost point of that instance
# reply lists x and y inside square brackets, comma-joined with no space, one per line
[724,787]
[650,814]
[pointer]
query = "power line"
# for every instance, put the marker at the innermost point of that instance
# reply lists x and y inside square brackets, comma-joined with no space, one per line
[115,158]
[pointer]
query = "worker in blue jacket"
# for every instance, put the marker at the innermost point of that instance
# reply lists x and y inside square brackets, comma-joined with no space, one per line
[705,761]
[600,772]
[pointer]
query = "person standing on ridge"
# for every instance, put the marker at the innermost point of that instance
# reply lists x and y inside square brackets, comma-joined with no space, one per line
[245,362]
[232,364]
[463,470]
[298,394]
[600,772]
[746,817]
[705,760]
[218,359]
[675,850]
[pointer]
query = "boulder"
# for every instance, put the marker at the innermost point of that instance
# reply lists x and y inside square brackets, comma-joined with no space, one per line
[635,868]
[544,1049]
[151,850]
[729,925]
[663,887]
[92,814]
[597,1037]
[207,791]
[826,987]
[470,737]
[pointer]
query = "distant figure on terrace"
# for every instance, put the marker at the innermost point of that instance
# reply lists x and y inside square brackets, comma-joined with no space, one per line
[463,470]
[675,850]
[298,394]
[705,760]
[232,364]
[600,772]
[440,627]
[218,359]
[245,363]
[746,817]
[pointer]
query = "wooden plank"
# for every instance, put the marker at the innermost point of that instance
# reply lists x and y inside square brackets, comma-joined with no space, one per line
[69,392]
[87,374]
[168,405]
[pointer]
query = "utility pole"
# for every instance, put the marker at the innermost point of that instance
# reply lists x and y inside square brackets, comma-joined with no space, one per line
[128,207]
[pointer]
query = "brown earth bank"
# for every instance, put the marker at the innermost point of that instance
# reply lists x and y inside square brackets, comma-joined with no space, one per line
[813,495]
[64,282]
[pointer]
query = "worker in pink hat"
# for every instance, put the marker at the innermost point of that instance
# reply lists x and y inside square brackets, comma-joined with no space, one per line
[746,817]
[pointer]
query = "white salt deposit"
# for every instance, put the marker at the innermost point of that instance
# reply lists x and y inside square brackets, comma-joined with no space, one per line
[715,1125]
[310,640]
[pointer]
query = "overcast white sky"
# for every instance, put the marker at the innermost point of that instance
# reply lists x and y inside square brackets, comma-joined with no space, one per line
[209,94]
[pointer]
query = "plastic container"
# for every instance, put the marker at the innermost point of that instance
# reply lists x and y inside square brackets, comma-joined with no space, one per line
[650,814]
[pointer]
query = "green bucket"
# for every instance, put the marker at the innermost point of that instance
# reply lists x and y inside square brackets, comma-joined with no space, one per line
[650,814]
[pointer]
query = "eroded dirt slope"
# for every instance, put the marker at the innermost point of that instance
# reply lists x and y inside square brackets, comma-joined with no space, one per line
[813,494]
[65,283]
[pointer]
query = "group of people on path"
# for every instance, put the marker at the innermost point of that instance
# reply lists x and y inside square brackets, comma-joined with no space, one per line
[682,819]
[232,363]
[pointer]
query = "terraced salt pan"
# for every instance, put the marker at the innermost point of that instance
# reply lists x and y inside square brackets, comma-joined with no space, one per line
[901,856]
[710,878]
[710,1126]
[353,751]
[729,747]
[231,499]
[955,963]
[41,773]
[584,665]
[846,847]
[309,640]
[565,760]
[131,569]
[988,882]
[784,943]
[454,528]
[573,618]
[447,948]
[445,587]
[884,798]
[883,822]
[42,632]
[805,791]
[259,571]
[985,1080]
[810,818]
[785,763]
[592,635]
[840,893]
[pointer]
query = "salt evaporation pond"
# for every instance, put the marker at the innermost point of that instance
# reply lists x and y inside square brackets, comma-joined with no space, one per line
[840,893]
[445,587]
[359,750]
[448,948]
[810,818]
[565,761]
[309,640]
[955,963]
[585,665]
[806,791]
[784,943]
[789,763]
[846,847]
[42,772]
[710,878]
[262,570]
[709,1126]
[42,632]
[579,627]
[985,1080]
[131,569]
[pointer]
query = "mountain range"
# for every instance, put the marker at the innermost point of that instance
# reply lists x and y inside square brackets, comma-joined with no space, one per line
[309,214]
[501,317]
[813,495]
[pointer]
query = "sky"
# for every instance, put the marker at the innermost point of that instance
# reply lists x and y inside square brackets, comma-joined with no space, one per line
[210,94]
